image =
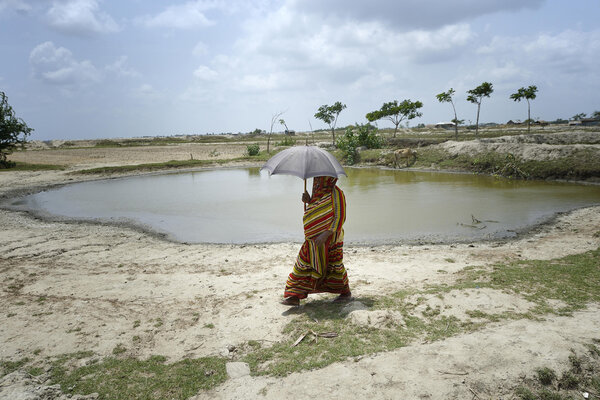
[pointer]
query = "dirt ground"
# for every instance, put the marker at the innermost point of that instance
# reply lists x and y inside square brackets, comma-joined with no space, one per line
[70,287]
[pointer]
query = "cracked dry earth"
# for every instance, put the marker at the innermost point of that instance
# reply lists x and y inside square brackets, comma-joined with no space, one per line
[70,287]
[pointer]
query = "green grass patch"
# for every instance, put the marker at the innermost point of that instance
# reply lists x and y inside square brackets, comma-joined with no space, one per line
[6,367]
[582,164]
[173,164]
[128,378]
[21,166]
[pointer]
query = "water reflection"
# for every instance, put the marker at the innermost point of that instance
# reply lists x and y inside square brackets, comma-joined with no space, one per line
[246,205]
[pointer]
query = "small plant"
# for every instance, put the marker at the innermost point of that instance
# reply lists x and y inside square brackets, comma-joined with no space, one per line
[545,375]
[136,323]
[287,141]
[209,326]
[253,149]
[568,381]
[525,394]
[119,349]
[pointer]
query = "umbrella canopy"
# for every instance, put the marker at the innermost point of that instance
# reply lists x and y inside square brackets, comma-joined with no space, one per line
[304,162]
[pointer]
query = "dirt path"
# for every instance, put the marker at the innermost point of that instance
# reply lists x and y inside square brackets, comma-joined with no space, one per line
[68,287]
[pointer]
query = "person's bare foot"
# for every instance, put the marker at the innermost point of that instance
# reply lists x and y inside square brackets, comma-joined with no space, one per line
[343,298]
[291,301]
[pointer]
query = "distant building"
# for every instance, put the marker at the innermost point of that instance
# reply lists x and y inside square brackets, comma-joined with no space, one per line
[590,121]
[575,123]
[444,125]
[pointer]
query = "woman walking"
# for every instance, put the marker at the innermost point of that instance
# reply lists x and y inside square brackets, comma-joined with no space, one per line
[319,266]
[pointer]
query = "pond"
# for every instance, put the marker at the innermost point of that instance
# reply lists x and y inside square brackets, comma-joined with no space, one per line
[248,206]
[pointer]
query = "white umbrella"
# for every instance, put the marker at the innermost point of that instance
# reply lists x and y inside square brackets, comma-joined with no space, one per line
[304,162]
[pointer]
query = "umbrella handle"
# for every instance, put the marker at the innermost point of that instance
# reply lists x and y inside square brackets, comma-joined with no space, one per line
[303,193]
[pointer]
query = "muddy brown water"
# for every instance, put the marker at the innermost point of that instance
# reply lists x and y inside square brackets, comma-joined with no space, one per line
[383,206]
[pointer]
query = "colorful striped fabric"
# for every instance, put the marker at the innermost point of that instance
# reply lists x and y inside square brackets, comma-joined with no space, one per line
[321,268]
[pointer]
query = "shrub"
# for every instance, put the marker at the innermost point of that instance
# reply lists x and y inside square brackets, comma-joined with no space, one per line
[357,136]
[348,144]
[253,149]
[545,375]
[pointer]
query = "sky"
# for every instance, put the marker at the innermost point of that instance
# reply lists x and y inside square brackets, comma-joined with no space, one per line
[77,69]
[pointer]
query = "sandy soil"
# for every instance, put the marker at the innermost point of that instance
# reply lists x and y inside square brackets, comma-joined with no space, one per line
[78,286]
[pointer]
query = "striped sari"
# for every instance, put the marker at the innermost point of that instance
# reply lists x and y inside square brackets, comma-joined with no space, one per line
[321,268]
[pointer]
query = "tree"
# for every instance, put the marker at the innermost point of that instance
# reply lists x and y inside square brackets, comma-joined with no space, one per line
[578,117]
[329,115]
[274,119]
[476,96]
[396,112]
[596,115]
[282,122]
[527,94]
[13,131]
[446,97]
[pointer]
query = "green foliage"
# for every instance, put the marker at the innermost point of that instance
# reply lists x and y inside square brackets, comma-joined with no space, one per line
[13,131]
[476,95]
[396,112]
[527,94]
[357,136]
[348,144]
[287,141]
[329,115]
[253,149]
[578,117]
[446,97]
[596,115]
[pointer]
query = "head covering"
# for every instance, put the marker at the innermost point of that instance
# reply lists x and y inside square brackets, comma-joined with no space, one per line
[322,186]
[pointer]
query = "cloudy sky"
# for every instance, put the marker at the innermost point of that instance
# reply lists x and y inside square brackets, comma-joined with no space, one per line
[121,68]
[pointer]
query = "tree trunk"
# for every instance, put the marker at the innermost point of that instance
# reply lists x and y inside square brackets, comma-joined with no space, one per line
[528,116]
[477,121]
[455,122]
[268,142]
[333,135]
[395,130]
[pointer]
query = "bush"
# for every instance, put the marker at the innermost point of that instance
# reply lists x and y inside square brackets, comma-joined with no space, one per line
[357,136]
[348,144]
[253,149]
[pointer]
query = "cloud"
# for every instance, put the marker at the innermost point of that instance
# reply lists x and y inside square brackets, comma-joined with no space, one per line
[182,16]
[17,5]
[146,92]
[205,73]
[120,68]
[57,66]
[567,53]
[80,17]
[409,14]
[286,50]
